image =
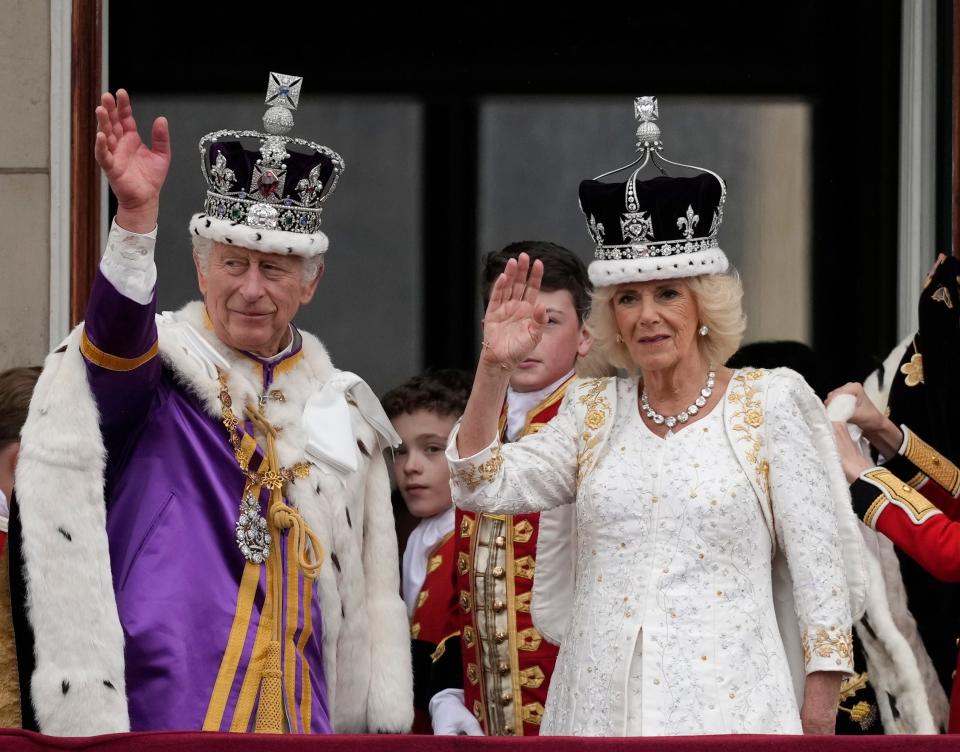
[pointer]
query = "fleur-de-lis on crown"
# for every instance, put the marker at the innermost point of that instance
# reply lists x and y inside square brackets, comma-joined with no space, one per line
[688,223]
[596,229]
[222,176]
[309,188]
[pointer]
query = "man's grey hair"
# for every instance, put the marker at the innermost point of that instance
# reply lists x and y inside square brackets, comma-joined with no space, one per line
[202,247]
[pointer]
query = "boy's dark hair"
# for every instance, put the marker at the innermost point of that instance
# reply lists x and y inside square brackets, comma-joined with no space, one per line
[562,270]
[16,389]
[443,390]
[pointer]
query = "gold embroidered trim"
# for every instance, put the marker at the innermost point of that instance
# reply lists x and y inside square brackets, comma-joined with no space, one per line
[415,631]
[852,684]
[525,567]
[435,563]
[523,602]
[917,480]
[469,637]
[466,526]
[522,532]
[913,371]
[422,598]
[114,362]
[533,713]
[532,677]
[528,639]
[466,602]
[931,462]
[914,503]
[463,564]
[873,511]
[942,295]
[475,476]
[828,643]
[529,426]
[598,410]
[442,646]
[743,393]
[473,673]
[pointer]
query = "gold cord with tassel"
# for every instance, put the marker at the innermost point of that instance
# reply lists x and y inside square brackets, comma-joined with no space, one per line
[280,516]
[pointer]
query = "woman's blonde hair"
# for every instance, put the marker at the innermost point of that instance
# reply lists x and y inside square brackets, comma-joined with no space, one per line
[719,300]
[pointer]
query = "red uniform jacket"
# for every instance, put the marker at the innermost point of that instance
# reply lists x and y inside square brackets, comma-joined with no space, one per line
[921,515]
[507,664]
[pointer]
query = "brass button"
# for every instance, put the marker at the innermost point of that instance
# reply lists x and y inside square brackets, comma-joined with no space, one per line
[501,542]
[503,668]
[498,571]
[508,730]
[506,698]
[499,605]
[500,636]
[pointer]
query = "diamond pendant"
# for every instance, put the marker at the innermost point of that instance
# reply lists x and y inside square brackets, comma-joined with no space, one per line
[253,538]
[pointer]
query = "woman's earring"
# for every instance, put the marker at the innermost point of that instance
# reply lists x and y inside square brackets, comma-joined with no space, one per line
[704,330]
[619,338]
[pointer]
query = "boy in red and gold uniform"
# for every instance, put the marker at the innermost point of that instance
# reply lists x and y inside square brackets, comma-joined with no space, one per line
[423,411]
[507,664]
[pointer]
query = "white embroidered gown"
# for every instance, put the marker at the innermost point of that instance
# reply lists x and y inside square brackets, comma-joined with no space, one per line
[673,629]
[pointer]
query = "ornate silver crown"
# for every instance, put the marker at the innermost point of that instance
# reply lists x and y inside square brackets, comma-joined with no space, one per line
[632,224]
[277,186]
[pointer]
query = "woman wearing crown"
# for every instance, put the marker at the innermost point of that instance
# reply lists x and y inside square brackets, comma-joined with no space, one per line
[699,490]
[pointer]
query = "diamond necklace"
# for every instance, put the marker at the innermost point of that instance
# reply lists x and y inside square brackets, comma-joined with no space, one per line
[684,415]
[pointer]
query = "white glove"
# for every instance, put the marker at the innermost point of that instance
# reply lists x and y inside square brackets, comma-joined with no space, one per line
[450,716]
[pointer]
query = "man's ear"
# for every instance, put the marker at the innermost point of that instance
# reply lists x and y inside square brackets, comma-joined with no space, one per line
[308,290]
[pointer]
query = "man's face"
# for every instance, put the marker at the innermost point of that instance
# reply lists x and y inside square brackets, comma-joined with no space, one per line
[251,297]
[564,338]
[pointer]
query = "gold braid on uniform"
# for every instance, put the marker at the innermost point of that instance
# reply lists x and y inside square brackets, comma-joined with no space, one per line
[931,462]
[895,491]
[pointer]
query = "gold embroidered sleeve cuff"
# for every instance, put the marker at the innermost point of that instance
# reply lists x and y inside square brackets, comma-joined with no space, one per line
[892,490]
[470,474]
[828,649]
[930,461]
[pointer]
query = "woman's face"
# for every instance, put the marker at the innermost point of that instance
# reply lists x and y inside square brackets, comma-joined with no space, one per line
[658,322]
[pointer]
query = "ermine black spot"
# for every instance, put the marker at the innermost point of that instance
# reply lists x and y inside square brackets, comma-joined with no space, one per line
[65,686]
[363,449]
[336,561]
[64,533]
[349,521]
[228,240]
[208,223]
[259,236]
[109,685]
[196,231]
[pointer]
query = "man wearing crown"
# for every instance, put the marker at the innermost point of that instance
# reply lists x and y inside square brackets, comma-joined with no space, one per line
[204,518]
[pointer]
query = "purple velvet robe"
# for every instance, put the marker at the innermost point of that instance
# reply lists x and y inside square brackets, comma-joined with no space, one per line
[189,604]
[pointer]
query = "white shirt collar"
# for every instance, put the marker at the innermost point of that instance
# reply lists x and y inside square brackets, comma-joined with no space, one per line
[421,542]
[519,404]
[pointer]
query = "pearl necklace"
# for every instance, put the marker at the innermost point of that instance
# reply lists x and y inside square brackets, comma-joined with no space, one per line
[685,415]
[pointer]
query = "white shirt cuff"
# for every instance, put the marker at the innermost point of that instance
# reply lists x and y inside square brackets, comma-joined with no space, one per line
[128,263]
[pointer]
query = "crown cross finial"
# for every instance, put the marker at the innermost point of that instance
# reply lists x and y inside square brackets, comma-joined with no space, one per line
[647,111]
[283,95]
